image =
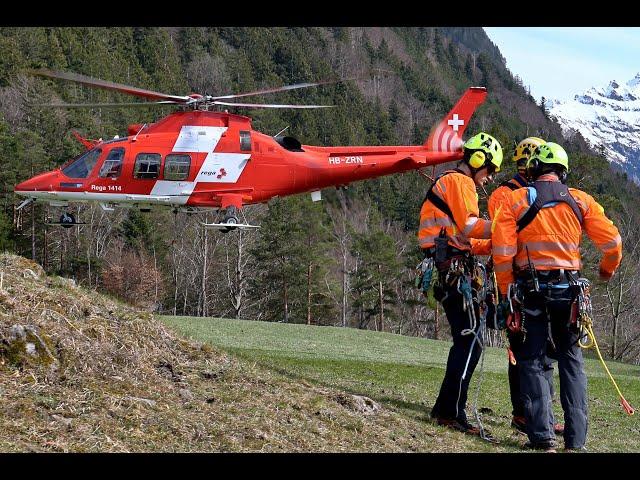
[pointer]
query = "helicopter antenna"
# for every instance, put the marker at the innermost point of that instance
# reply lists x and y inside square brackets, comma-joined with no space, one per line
[281,131]
[136,136]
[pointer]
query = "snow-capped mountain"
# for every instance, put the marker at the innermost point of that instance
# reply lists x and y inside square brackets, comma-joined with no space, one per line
[607,118]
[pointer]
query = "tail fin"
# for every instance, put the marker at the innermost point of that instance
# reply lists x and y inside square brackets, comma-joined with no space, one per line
[447,135]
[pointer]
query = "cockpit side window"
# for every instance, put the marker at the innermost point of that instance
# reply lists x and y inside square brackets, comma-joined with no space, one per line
[82,166]
[147,165]
[112,166]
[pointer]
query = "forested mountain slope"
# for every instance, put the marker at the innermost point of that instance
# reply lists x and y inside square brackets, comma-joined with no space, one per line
[320,263]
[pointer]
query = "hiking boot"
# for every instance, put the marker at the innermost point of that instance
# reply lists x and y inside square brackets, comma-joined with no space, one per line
[459,425]
[548,446]
[520,424]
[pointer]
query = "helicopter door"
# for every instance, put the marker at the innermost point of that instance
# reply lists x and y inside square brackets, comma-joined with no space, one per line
[107,177]
[112,166]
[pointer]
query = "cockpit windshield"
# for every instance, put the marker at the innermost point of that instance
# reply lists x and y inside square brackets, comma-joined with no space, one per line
[82,166]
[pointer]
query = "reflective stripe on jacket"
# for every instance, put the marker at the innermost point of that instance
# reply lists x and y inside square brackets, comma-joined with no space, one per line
[459,193]
[553,237]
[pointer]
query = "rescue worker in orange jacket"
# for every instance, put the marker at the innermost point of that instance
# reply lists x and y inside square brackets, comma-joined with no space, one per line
[498,199]
[449,218]
[536,253]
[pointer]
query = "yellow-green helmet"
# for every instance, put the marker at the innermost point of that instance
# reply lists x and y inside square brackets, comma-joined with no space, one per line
[550,153]
[490,148]
[526,147]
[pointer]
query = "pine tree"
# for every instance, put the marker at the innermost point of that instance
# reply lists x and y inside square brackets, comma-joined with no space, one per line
[543,107]
[377,267]
[280,255]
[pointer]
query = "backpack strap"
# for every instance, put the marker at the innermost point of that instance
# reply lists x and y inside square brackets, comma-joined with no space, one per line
[521,182]
[509,185]
[549,192]
[438,202]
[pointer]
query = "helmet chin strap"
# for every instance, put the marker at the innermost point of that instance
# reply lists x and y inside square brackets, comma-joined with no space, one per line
[474,172]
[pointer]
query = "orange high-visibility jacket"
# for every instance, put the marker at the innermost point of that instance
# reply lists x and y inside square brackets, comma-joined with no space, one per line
[459,193]
[553,237]
[499,197]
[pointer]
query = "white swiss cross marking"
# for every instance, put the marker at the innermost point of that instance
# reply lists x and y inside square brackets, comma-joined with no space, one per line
[455,123]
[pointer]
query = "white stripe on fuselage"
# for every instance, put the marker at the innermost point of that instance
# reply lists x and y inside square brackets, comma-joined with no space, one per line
[198,139]
[218,167]
[221,167]
[179,190]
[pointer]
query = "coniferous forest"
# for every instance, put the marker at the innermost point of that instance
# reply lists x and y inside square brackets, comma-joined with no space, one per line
[346,261]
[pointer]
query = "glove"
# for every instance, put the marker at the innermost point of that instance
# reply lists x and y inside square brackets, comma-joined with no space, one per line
[604,275]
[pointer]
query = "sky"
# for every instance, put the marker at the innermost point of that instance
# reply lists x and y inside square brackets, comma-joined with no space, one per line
[559,62]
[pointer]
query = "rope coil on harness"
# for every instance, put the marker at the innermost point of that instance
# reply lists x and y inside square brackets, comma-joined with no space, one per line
[587,338]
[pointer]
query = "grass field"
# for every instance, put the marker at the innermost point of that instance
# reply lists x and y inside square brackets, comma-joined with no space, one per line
[404,374]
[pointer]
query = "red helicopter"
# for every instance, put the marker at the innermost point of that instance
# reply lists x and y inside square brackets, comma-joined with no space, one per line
[197,159]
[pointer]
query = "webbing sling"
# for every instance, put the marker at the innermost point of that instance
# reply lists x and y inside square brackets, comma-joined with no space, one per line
[549,192]
[511,186]
[436,200]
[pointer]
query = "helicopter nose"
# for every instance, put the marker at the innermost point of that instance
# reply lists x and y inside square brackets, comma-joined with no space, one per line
[39,183]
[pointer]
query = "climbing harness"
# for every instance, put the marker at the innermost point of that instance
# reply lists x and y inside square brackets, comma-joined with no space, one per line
[582,315]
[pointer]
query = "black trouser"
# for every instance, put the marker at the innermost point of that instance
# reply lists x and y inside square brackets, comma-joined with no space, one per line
[515,343]
[540,312]
[452,398]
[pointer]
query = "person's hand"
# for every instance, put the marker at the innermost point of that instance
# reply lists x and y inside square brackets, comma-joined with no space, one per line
[605,276]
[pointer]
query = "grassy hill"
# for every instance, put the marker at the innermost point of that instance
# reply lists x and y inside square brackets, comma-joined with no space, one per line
[403,374]
[82,372]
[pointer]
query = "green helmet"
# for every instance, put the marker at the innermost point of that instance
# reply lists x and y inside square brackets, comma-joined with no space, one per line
[550,153]
[489,146]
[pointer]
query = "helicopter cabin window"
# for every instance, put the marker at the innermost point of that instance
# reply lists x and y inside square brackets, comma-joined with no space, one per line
[176,167]
[245,141]
[112,165]
[147,165]
[81,167]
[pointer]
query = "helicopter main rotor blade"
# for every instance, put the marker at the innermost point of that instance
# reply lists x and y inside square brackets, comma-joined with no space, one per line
[96,82]
[263,105]
[282,89]
[100,105]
